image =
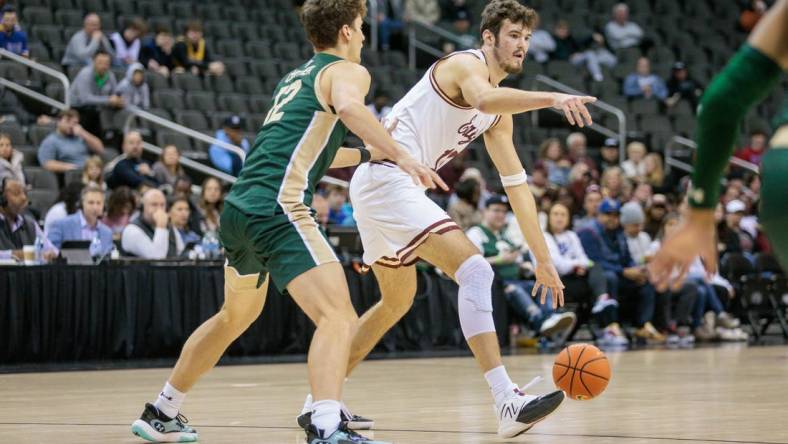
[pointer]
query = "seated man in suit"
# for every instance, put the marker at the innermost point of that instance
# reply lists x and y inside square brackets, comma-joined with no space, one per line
[85,224]
[18,229]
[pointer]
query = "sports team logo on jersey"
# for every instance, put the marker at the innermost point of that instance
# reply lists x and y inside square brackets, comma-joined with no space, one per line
[469,131]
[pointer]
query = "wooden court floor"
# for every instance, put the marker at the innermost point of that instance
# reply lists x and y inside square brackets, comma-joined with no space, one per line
[733,394]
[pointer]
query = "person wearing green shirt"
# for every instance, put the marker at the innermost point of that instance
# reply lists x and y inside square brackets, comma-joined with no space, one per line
[507,261]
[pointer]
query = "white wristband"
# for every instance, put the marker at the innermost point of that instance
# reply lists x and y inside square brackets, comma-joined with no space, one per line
[515,179]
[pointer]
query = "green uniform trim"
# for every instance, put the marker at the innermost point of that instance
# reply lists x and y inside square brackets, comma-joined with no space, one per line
[746,80]
[490,249]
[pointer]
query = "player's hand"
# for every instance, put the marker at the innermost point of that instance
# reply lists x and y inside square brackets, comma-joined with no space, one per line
[547,279]
[695,235]
[574,108]
[421,174]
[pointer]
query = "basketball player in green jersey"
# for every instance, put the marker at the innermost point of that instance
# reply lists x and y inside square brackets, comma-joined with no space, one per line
[268,230]
[750,75]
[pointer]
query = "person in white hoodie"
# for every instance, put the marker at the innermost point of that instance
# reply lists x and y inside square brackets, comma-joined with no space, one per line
[10,160]
[133,88]
[580,275]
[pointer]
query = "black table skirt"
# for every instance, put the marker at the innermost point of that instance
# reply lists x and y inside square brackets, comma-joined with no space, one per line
[143,311]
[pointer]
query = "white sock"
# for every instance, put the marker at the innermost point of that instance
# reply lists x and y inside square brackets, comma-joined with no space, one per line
[169,400]
[500,384]
[325,416]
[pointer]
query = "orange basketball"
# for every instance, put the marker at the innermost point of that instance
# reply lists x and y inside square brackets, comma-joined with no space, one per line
[582,371]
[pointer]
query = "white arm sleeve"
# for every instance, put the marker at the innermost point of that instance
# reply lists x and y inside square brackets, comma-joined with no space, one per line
[515,179]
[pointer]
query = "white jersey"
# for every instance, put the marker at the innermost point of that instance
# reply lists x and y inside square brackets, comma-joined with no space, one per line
[432,127]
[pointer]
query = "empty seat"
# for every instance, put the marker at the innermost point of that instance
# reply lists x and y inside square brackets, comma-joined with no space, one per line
[209,10]
[235,103]
[49,34]
[15,131]
[684,125]
[230,47]
[644,106]
[260,50]
[162,22]
[266,69]
[150,8]
[14,71]
[236,67]
[91,5]
[218,29]
[37,15]
[254,122]
[42,200]
[187,82]
[655,124]
[29,153]
[200,100]
[192,119]
[180,9]
[69,17]
[249,85]
[221,84]
[181,141]
[259,103]
[168,99]
[37,133]
[39,52]
[156,81]
[247,31]
[681,108]
[40,178]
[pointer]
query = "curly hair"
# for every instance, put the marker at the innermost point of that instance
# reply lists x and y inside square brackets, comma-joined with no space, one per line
[499,10]
[323,19]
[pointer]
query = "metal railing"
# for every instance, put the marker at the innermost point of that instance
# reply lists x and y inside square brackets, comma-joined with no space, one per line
[43,69]
[672,161]
[414,43]
[620,135]
[135,112]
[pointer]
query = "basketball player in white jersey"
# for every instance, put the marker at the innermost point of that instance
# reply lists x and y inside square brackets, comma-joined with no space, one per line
[456,101]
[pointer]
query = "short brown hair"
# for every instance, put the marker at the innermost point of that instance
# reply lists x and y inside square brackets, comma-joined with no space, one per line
[70,113]
[499,10]
[323,19]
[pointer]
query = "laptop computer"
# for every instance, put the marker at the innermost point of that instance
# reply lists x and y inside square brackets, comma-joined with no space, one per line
[76,252]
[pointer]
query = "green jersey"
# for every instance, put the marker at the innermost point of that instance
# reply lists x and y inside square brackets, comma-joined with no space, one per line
[295,146]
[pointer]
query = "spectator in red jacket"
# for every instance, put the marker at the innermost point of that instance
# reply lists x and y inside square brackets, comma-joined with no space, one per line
[756,149]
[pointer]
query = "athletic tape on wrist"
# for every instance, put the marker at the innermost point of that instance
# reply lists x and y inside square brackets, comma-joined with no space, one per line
[515,179]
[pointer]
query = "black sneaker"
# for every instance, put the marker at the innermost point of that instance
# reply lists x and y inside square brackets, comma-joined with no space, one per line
[343,435]
[155,426]
[354,422]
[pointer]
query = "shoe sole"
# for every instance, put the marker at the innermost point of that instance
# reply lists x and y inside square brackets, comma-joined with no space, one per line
[561,325]
[148,433]
[537,411]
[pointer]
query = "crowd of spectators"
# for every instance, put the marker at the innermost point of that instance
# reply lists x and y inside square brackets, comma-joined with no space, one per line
[603,216]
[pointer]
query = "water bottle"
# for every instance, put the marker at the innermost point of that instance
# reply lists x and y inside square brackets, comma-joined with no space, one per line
[95,247]
[210,245]
[115,255]
[39,246]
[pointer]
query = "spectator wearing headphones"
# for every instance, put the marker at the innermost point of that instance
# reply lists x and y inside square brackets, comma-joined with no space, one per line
[149,236]
[85,223]
[18,229]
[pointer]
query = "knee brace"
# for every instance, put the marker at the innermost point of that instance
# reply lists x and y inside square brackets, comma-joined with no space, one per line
[774,212]
[474,301]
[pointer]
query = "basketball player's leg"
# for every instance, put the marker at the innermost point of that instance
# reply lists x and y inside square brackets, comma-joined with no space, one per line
[454,253]
[244,297]
[397,290]
[774,187]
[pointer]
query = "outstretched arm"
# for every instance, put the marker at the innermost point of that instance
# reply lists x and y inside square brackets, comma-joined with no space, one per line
[498,141]
[471,76]
[746,80]
[348,84]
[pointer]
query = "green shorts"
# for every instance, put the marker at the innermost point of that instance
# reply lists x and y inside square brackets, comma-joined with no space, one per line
[281,245]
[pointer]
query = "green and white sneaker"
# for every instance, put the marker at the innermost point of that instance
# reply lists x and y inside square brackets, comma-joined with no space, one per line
[342,435]
[155,426]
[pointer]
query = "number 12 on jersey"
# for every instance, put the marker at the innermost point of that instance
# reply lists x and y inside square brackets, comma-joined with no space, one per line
[285,95]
